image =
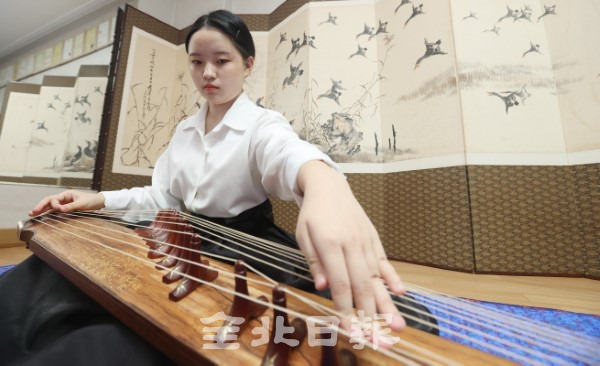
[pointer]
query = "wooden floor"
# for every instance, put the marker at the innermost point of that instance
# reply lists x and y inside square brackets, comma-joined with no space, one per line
[572,294]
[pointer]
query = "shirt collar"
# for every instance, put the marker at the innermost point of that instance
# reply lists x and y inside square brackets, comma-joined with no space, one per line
[237,115]
[235,118]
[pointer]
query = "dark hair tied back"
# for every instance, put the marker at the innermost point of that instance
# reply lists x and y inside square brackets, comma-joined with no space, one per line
[229,24]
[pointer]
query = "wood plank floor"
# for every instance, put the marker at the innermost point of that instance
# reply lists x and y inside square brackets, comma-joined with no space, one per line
[572,294]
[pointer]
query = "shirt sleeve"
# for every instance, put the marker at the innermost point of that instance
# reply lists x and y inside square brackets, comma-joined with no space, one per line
[279,154]
[154,197]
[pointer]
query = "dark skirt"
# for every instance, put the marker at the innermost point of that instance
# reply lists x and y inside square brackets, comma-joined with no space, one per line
[45,320]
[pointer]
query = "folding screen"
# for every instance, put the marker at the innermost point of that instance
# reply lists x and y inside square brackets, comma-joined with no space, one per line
[431,108]
[49,135]
[82,143]
[50,132]
[16,125]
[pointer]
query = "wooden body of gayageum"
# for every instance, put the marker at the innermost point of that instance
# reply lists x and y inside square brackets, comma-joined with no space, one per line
[109,262]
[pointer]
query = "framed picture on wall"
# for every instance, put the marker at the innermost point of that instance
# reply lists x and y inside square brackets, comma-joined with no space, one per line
[25,66]
[90,39]
[37,64]
[78,44]
[103,33]
[67,51]
[57,53]
[43,59]
[6,74]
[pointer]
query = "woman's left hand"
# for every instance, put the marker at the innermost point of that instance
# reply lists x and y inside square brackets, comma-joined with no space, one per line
[342,246]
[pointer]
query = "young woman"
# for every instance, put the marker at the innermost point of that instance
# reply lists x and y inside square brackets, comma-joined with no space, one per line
[232,154]
[223,163]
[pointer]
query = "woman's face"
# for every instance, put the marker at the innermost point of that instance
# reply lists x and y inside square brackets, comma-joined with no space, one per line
[217,67]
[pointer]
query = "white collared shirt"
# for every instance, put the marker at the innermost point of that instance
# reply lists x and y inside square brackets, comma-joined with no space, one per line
[251,154]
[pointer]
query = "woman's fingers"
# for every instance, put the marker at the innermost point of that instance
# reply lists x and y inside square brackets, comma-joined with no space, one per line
[387,271]
[390,276]
[60,200]
[339,283]
[72,200]
[41,207]
[361,281]
[386,306]
[347,265]
[314,264]
[353,271]
[371,260]
[53,202]
[327,261]
[68,201]
[324,261]
[341,241]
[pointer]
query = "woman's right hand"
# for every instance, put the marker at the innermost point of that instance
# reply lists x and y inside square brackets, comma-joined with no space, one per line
[69,201]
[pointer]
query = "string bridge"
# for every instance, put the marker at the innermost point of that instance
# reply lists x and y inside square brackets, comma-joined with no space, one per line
[278,352]
[174,243]
[242,307]
[172,239]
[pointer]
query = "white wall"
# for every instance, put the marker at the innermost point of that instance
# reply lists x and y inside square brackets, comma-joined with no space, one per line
[163,10]
[182,13]
[18,199]
[187,11]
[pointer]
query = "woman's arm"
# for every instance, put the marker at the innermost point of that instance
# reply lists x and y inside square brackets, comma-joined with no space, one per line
[339,241]
[342,246]
[152,197]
